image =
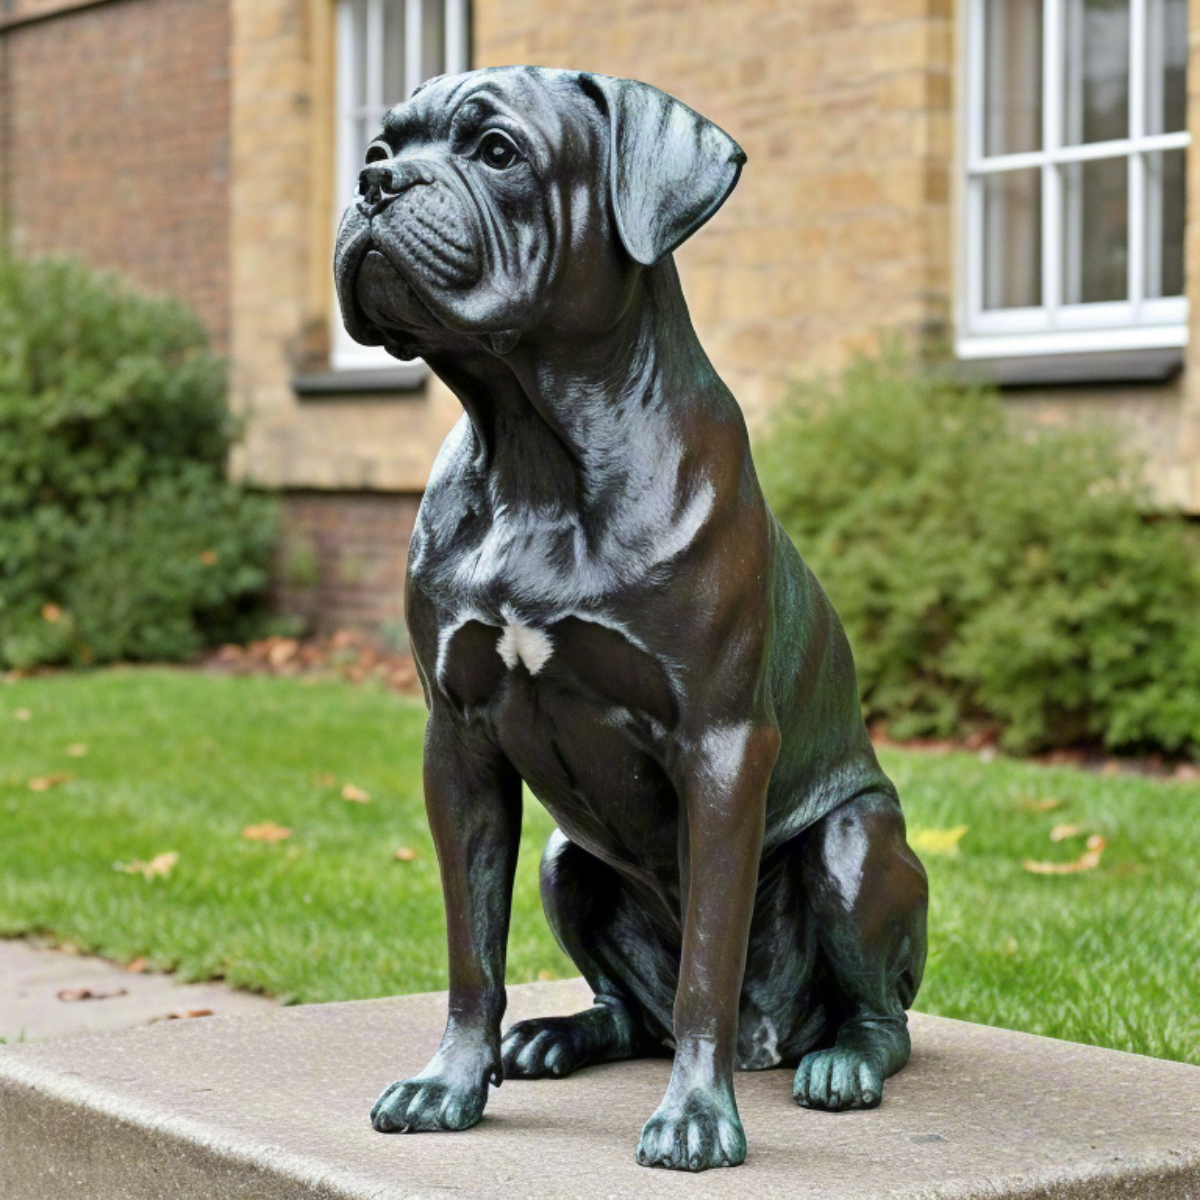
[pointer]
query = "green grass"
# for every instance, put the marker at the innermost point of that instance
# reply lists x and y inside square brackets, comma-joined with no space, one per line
[183,761]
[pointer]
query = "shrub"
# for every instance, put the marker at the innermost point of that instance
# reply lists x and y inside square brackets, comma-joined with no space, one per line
[989,575]
[119,535]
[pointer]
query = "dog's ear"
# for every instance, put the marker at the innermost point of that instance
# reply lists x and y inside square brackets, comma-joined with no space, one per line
[669,168]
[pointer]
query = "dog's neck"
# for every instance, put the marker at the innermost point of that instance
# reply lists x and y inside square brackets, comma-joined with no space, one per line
[582,422]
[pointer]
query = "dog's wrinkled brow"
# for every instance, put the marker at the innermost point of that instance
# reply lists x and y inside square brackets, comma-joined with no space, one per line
[402,125]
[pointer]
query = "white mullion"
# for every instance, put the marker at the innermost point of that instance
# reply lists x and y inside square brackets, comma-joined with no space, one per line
[1136,217]
[1154,119]
[974,233]
[1052,101]
[1085,152]
[456,36]
[413,46]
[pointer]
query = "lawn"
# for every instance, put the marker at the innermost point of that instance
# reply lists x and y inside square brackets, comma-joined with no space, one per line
[182,762]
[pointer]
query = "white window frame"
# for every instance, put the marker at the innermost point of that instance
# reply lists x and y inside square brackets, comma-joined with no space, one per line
[345,353]
[1055,327]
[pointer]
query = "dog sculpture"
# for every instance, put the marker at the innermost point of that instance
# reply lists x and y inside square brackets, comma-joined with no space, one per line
[602,605]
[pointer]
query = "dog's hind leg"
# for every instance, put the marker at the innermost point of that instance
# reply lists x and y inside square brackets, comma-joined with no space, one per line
[610,936]
[868,894]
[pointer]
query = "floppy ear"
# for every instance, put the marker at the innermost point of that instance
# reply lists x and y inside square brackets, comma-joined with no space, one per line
[669,168]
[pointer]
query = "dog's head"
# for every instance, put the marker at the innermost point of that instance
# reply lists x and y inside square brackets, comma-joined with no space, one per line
[501,203]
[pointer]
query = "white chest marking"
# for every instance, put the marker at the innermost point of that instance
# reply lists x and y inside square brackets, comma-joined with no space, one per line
[520,643]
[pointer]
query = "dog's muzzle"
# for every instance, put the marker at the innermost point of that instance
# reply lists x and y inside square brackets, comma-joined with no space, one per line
[420,224]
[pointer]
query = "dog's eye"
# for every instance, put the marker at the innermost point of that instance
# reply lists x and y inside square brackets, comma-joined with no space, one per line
[497,152]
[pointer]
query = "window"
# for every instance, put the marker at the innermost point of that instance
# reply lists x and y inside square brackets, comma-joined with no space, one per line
[1074,200]
[385,48]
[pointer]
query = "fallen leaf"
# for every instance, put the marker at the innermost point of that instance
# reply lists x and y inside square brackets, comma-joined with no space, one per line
[51,613]
[77,750]
[406,854]
[545,976]
[267,831]
[208,557]
[937,841]
[138,966]
[70,995]
[1049,804]
[283,652]
[355,794]
[159,865]
[22,714]
[325,779]
[185,1013]
[43,783]
[1061,832]
[1088,861]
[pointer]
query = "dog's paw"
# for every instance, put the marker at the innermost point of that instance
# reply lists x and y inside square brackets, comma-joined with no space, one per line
[551,1046]
[838,1079]
[699,1131]
[424,1105]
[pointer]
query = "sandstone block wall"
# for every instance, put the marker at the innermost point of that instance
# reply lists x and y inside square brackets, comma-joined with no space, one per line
[840,229]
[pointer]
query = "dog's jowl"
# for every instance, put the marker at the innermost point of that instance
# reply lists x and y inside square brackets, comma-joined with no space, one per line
[601,605]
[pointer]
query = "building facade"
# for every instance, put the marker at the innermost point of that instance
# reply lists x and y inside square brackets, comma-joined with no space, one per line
[1004,179]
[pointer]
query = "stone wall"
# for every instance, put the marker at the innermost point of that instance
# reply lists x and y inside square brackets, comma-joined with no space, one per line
[115,142]
[189,144]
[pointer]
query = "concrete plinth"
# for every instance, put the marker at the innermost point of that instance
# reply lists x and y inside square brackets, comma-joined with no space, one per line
[274,1107]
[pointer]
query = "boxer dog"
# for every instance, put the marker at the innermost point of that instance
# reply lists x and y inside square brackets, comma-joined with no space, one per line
[602,605]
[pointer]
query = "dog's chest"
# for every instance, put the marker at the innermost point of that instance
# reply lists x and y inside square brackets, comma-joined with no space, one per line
[482,665]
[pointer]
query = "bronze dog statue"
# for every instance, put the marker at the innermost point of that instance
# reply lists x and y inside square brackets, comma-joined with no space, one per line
[601,604]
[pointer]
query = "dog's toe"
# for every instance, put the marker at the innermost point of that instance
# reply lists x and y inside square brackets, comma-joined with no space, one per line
[838,1079]
[535,1049]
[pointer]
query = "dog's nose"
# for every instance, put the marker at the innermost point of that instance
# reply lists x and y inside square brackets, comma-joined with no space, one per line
[381,182]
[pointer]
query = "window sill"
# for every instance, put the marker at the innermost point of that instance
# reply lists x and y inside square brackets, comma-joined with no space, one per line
[370,382]
[1145,365]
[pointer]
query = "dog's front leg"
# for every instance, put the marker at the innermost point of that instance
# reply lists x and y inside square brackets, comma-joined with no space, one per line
[723,784]
[473,798]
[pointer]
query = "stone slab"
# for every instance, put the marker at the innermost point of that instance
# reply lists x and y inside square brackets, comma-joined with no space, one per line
[31,978]
[275,1106]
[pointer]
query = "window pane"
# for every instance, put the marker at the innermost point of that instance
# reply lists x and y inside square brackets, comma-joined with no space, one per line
[433,38]
[1095,237]
[394,90]
[1013,76]
[1166,65]
[1096,79]
[1012,233]
[1166,197]
[357,30]
[363,129]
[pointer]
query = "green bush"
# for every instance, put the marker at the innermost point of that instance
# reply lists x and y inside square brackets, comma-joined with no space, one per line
[989,575]
[119,535]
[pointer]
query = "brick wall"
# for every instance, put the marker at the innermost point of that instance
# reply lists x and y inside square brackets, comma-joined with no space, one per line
[116,143]
[341,559]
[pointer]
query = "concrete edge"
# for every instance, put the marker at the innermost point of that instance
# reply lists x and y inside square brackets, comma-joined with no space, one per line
[1131,1180]
[50,1089]
[179,1141]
